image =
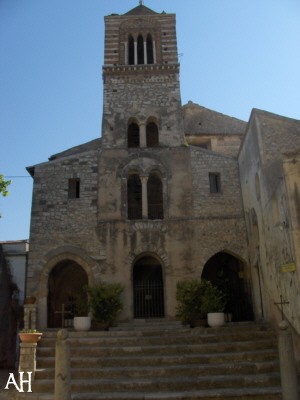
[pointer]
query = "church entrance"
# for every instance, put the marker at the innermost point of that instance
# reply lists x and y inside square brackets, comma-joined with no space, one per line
[66,280]
[226,272]
[148,288]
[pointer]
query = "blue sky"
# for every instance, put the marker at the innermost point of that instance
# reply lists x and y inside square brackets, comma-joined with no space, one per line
[235,55]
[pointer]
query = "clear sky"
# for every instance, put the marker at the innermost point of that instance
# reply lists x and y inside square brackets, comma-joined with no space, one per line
[235,55]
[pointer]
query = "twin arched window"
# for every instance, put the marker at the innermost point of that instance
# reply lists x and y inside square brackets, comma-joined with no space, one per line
[140,50]
[145,197]
[137,136]
[133,135]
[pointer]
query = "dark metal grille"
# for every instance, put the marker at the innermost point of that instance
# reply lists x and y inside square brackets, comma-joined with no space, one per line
[148,299]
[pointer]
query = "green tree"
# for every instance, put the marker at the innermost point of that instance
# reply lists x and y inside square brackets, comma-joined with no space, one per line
[3,186]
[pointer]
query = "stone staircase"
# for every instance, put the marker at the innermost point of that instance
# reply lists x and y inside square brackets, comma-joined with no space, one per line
[163,360]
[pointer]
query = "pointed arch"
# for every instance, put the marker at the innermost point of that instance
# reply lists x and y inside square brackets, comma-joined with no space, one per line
[55,257]
[66,280]
[226,271]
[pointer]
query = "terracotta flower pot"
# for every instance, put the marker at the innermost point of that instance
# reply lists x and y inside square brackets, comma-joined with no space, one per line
[30,337]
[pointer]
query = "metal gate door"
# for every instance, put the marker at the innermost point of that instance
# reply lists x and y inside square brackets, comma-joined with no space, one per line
[148,299]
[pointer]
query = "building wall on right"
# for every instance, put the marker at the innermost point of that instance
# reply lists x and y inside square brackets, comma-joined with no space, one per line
[270,182]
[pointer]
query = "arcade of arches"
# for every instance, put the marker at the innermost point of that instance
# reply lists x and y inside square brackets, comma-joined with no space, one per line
[224,270]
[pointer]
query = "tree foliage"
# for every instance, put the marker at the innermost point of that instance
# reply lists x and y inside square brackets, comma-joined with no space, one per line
[4,185]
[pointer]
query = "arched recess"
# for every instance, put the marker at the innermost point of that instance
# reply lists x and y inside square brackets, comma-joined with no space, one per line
[52,259]
[148,287]
[133,135]
[227,272]
[152,139]
[66,281]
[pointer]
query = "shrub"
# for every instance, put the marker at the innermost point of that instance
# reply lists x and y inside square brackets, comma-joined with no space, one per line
[105,301]
[189,295]
[213,299]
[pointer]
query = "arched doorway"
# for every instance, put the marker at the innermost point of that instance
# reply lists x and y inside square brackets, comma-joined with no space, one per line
[66,280]
[226,272]
[148,288]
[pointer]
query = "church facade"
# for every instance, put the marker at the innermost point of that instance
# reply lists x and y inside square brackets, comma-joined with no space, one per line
[162,196]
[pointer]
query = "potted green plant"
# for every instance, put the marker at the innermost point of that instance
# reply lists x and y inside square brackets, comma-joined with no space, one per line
[105,303]
[214,302]
[190,308]
[82,319]
[30,335]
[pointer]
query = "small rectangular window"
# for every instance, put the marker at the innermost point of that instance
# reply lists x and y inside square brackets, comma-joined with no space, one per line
[214,182]
[74,188]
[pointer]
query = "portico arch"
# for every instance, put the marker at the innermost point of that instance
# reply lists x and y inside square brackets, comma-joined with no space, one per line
[59,256]
[66,281]
[226,271]
[148,287]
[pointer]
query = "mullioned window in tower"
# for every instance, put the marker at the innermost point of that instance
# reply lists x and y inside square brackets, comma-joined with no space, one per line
[140,50]
[130,50]
[155,197]
[134,197]
[133,135]
[152,135]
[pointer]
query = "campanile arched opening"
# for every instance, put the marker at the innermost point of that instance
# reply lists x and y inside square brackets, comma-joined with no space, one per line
[66,281]
[148,288]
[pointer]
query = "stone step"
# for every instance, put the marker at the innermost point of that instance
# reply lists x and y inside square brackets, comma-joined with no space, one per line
[158,384]
[187,338]
[153,329]
[111,351]
[169,370]
[211,394]
[166,361]
[154,360]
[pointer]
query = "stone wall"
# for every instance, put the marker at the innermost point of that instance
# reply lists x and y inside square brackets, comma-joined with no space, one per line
[267,196]
[142,92]
[227,203]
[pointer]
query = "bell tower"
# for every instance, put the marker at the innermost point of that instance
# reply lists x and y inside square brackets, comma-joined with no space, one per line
[141,102]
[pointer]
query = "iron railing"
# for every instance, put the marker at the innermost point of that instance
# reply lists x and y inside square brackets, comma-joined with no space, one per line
[148,299]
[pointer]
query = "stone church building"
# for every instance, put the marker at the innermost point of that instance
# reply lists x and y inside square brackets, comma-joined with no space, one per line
[168,192]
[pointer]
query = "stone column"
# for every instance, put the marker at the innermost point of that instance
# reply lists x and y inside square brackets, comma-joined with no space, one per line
[126,53]
[154,52]
[143,139]
[135,53]
[27,361]
[145,53]
[288,369]
[144,180]
[62,384]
